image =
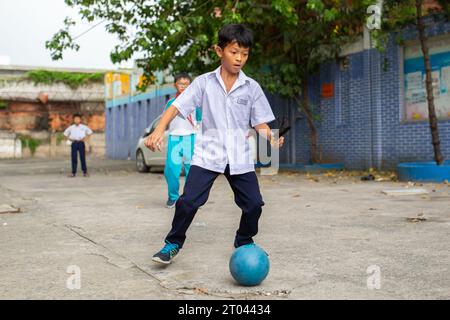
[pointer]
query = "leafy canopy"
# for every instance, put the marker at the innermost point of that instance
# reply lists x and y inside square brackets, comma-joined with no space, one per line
[292,37]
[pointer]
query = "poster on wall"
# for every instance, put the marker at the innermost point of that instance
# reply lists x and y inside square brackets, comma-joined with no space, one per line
[416,107]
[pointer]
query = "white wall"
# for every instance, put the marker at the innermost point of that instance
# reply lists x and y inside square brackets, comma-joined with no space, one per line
[10,146]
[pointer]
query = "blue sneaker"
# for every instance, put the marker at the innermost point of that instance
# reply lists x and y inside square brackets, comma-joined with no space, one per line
[167,254]
[171,204]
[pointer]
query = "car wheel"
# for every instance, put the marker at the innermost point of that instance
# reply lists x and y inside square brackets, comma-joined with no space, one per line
[140,162]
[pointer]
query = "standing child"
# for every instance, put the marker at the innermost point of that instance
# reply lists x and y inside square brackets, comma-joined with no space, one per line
[180,146]
[230,103]
[77,133]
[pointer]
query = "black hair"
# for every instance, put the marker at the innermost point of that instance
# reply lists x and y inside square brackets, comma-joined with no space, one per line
[77,115]
[182,75]
[235,32]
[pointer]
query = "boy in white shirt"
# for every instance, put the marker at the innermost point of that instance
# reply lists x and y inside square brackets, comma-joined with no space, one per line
[231,103]
[77,133]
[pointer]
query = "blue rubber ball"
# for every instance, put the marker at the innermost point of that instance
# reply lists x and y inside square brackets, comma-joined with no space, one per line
[249,265]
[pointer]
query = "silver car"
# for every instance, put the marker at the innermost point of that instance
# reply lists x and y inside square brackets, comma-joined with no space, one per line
[147,159]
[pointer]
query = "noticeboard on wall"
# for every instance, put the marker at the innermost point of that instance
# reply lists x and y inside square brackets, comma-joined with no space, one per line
[416,106]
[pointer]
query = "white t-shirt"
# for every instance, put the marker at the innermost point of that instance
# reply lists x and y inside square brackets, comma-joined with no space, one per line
[79,132]
[182,127]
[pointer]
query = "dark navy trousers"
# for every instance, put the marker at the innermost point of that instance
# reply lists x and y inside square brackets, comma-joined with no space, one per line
[196,192]
[78,147]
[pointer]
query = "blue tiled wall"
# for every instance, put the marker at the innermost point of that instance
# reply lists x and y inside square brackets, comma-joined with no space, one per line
[362,125]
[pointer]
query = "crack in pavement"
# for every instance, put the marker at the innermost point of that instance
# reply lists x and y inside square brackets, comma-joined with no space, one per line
[180,290]
[106,258]
[131,262]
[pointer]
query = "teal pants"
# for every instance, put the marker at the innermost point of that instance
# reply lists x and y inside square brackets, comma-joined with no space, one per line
[179,151]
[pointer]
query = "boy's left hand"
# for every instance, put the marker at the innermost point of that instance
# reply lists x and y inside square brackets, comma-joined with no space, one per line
[277,143]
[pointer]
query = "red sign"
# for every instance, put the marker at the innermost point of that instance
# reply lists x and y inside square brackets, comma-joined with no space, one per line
[328,90]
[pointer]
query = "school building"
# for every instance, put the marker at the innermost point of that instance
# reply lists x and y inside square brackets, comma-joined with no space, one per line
[372,106]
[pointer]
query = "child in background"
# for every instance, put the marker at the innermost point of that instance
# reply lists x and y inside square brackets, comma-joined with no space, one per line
[180,145]
[78,133]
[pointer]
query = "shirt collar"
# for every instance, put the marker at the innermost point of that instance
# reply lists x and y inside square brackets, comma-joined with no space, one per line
[241,80]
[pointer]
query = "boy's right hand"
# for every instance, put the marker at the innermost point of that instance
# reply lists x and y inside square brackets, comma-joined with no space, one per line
[155,140]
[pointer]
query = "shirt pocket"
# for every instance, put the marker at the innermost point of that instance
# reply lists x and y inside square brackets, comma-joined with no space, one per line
[241,107]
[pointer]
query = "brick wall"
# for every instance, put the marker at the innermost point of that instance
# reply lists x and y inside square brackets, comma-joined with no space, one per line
[47,122]
[54,117]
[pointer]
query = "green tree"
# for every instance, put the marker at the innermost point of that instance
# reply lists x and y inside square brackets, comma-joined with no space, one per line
[293,37]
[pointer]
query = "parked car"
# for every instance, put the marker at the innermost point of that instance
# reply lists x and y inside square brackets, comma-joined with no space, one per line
[147,159]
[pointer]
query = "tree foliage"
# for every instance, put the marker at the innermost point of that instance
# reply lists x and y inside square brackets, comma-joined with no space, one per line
[292,37]
[400,14]
[72,79]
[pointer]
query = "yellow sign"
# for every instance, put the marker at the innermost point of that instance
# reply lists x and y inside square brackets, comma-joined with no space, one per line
[117,85]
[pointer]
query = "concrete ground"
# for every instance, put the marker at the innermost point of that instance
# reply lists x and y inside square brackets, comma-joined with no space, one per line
[329,237]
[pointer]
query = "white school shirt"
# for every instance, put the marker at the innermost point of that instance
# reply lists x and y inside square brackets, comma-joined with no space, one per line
[79,132]
[226,120]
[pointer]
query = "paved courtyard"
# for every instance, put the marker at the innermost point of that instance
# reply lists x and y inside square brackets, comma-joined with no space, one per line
[329,236]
